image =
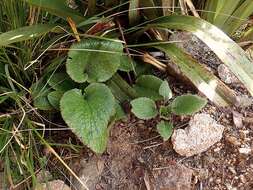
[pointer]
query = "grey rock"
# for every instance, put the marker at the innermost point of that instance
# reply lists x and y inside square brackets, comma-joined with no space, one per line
[44,176]
[202,133]
[53,185]
[226,75]
[243,101]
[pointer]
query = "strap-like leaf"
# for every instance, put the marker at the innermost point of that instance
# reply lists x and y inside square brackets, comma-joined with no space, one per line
[58,8]
[226,49]
[25,33]
[204,80]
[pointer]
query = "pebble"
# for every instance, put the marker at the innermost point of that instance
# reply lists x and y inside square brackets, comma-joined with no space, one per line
[245,150]
[202,133]
[54,185]
[242,179]
[243,101]
[226,75]
[232,170]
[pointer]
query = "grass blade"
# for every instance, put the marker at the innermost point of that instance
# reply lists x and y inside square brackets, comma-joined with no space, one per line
[25,33]
[204,80]
[225,8]
[226,49]
[59,8]
[241,13]
[133,13]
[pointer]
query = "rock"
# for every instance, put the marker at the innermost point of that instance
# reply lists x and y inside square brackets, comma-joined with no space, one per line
[243,101]
[44,176]
[226,75]
[89,173]
[53,185]
[245,150]
[237,119]
[173,177]
[202,132]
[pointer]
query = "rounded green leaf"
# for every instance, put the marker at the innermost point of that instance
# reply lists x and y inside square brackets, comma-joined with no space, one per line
[88,114]
[93,60]
[165,129]
[126,64]
[165,90]
[187,104]
[144,108]
[148,86]
[54,98]
[61,81]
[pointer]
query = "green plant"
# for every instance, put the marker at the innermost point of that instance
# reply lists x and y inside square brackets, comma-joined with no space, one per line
[145,108]
[56,60]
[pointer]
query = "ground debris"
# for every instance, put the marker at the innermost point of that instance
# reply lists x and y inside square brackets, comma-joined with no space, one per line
[172,177]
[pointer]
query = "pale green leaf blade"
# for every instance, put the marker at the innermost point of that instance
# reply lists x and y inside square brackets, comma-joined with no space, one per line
[88,114]
[225,48]
[165,91]
[205,81]
[148,86]
[58,8]
[54,98]
[144,108]
[241,13]
[25,33]
[94,60]
[187,104]
[39,92]
[165,129]
[3,98]
[133,14]
[224,10]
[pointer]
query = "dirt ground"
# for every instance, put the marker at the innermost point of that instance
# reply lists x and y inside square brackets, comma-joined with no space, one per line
[137,158]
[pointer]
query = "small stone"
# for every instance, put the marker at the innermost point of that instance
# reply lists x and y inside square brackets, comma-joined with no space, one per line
[242,179]
[229,187]
[202,132]
[226,75]
[44,176]
[175,176]
[245,150]
[232,170]
[237,119]
[218,181]
[55,185]
[243,101]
